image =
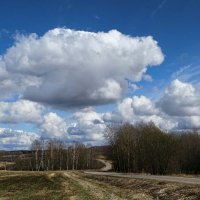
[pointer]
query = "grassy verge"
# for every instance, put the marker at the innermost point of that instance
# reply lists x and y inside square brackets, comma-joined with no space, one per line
[31,186]
[78,189]
[109,188]
[153,189]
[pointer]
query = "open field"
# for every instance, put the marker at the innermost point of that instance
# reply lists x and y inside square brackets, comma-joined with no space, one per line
[77,186]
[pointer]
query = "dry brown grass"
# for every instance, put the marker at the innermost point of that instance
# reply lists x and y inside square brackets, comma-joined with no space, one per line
[72,185]
[4,165]
[152,189]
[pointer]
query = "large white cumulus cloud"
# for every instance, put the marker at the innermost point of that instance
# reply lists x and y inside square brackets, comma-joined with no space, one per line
[77,69]
[65,67]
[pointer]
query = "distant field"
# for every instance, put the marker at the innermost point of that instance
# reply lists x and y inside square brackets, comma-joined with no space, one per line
[77,186]
[4,165]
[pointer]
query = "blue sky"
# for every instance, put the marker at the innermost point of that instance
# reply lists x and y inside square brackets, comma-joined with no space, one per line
[173,24]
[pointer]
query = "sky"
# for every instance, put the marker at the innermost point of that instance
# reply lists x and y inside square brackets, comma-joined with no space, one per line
[68,68]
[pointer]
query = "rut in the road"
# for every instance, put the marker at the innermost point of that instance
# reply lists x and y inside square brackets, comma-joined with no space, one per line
[96,191]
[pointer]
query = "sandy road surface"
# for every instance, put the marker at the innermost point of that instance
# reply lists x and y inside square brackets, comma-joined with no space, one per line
[108,167]
[107,164]
[152,177]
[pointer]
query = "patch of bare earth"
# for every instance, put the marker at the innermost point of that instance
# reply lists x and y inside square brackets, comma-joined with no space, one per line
[151,189]
[51,175]
[75,198]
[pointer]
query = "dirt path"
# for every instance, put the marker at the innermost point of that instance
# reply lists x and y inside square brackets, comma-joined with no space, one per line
[92,189]
[151,177]
[107,167]
[107,164]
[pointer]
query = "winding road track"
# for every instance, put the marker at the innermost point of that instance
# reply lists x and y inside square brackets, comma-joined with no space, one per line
[152,177]
[108,166]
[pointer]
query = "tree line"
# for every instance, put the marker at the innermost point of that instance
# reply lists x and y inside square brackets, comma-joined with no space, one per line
[146,148]
[56,155]
[132,148]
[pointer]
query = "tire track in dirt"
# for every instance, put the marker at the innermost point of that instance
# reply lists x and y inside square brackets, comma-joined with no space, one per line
[94,190]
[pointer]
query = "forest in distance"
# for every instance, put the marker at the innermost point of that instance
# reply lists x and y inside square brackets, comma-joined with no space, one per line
[140,148]
[50,155]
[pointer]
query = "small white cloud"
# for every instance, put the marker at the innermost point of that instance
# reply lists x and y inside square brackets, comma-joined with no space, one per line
[16,139]
[97,17]
[180,99]
[159,7]
[189,74]
[147,77]
[89,126]
[22,111]
[53,126]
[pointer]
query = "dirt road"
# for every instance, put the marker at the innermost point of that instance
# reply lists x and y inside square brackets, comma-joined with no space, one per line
[151,177]
[107,164]
[108,167]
